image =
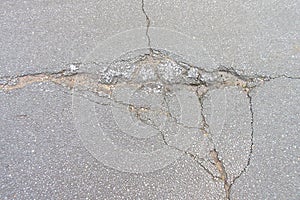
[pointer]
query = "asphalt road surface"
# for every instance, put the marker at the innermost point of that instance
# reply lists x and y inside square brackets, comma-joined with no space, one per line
[149,99]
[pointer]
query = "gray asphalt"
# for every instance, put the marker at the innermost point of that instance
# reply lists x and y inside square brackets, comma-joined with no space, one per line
[201,104]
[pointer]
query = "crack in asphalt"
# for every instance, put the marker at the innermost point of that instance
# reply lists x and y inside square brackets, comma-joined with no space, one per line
[205,81]
[148,26]
[222,171]
[214,153]
[205,125]
[186,152]
[219,164]
[228,187]
[197,160]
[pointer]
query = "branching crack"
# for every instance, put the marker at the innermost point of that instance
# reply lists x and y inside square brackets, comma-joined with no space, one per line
[215,155]
[229,186]
[202,82]
[203,167]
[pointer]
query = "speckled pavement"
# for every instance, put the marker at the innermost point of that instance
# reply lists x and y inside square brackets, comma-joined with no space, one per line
[149,99]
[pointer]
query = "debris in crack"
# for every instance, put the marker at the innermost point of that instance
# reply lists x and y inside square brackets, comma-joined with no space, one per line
[159,68]
[204,127]
[223,174]
[164,68]
[65,78]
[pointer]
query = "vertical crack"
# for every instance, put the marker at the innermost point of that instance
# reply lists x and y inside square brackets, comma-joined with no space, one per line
[251,145]
[221,168]
[205,126]
[148,26]
[214,153]
[220,165]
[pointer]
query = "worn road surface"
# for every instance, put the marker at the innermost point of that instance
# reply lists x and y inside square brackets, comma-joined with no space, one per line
[149,99]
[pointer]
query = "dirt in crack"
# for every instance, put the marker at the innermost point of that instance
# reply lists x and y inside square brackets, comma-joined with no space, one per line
[222,171]
[65,78]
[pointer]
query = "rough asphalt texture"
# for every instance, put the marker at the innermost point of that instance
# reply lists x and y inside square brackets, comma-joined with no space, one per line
[249,117]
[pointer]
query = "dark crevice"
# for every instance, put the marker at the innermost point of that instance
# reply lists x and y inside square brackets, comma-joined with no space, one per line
[251,146]
[20,81]
[284,76]
[218,164]
[240,75]
[148,26]
[205,126]
[186,152]
[194,157]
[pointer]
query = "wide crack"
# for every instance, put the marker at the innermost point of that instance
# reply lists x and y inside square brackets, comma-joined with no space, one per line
[198,80]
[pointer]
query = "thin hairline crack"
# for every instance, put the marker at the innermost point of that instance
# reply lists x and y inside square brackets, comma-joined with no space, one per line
[147,28]
[227,185]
